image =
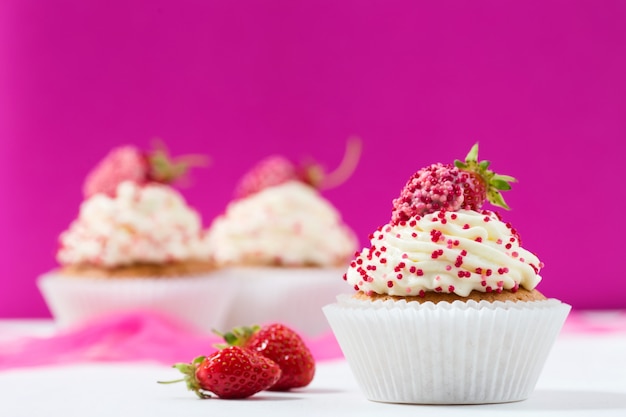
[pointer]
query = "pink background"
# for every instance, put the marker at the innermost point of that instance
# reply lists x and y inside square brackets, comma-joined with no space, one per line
[540,84]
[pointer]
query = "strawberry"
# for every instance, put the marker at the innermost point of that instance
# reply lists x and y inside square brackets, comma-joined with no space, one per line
[233,372]
[271,171]
[128,163]
[283,346]
[447,187]
[125,163]
[275,170]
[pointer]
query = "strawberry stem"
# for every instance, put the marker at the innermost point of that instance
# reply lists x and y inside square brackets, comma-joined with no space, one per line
[165,169]
[238,336]
[494,183]
[189,372]
[346,167]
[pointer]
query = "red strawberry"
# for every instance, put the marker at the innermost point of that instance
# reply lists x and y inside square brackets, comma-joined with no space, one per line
[464,185]
[128,163]
[283,346]
[276,170]
[233,372]
[271,171]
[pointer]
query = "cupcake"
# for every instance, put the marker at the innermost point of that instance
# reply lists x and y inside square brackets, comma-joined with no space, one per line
[445,308]
[283,244]
[135,245]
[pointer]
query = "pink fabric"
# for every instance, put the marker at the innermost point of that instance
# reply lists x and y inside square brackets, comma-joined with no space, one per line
[595,322]
[138,336]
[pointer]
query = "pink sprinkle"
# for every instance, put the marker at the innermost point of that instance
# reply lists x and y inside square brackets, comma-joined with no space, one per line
[448,267]
[412,269]
[405,256]
[390,284]
[451,288]
[466,226]
[515,254]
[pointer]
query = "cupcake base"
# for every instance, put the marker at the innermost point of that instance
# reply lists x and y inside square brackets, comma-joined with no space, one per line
[199,300]
[145,270]
[292,296]
[446,353]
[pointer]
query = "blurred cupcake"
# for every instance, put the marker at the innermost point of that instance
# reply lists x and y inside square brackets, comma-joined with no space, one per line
[136,245]
[284,244]
[445,309]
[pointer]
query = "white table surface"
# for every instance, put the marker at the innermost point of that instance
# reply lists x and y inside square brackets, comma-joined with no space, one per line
[585,375]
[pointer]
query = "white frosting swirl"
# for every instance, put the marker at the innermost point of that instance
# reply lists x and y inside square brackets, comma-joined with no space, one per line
[290,224]
[141,224]
[448,252]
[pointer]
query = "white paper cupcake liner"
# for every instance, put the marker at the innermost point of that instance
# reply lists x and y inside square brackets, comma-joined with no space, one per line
[292,296]
[446,353]
[201,301]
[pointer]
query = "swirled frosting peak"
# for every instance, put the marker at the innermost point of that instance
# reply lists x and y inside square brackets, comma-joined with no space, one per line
[140,224]
[447,252]
[289,224]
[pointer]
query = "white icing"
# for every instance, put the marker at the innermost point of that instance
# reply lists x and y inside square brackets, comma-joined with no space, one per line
[141,224]
[456,253]
[289,224]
